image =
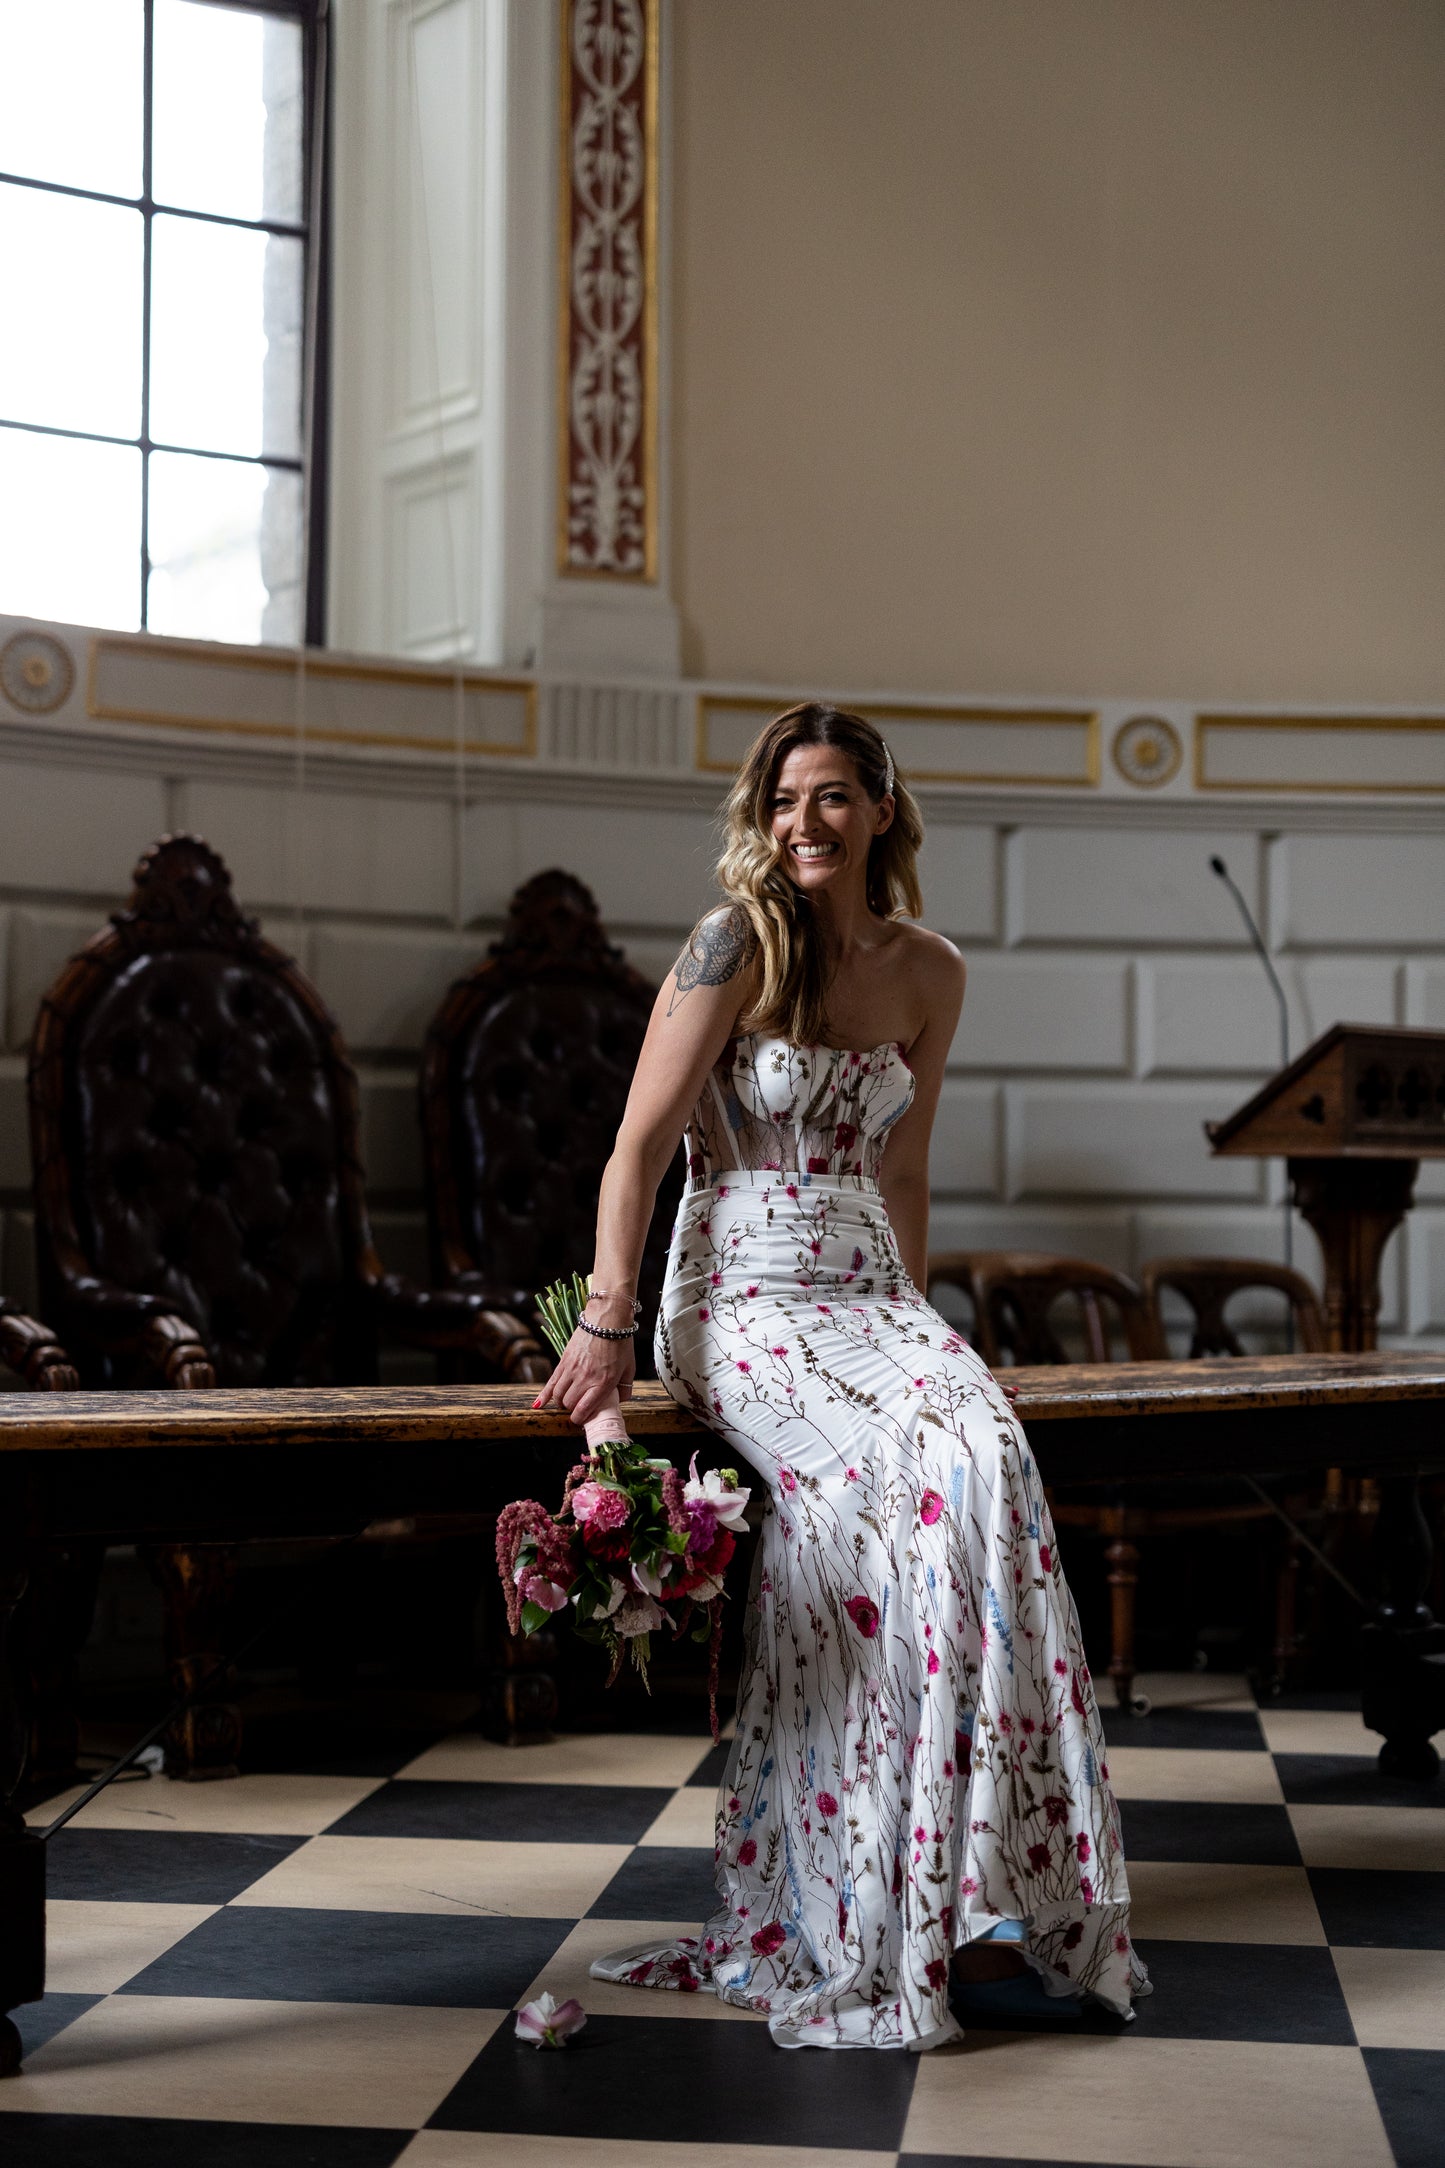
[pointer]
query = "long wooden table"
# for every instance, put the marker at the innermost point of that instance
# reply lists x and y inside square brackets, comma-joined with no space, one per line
[220,1466]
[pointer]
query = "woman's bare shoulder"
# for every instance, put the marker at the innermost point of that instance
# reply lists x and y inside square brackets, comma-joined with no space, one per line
[931,960]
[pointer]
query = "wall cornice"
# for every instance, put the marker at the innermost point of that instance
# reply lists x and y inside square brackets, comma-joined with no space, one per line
[151,750]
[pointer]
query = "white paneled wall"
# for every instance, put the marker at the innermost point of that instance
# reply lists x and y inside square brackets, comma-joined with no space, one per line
[1114,1004]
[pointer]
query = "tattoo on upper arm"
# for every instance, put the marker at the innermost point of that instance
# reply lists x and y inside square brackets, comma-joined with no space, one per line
[716,951]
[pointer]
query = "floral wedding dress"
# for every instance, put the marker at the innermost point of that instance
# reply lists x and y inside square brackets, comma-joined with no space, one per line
[918,1761]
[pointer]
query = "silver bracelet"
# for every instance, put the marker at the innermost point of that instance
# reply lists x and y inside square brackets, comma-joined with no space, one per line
[608,1332]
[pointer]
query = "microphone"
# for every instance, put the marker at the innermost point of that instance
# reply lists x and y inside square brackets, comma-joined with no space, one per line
[1217,866]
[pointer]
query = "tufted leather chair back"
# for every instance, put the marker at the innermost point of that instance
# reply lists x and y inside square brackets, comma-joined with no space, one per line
[195,1126]
[524,1079]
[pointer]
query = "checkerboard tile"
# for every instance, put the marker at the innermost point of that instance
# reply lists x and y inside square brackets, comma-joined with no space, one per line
[320,1966]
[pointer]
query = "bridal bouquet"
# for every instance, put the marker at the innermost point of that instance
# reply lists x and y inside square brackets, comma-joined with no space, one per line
[632,1548]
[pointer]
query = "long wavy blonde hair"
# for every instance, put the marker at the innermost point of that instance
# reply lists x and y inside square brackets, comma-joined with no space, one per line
[793,996]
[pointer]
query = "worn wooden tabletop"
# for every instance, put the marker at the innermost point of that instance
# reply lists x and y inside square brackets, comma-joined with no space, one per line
[297,1417]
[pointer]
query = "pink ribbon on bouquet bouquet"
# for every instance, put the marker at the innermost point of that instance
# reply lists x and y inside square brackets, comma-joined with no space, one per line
[606,1427]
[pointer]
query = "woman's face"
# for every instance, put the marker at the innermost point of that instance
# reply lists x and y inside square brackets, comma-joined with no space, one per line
[824,819]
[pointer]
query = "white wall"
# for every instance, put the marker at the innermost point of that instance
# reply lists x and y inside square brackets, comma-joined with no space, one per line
[1114,1004]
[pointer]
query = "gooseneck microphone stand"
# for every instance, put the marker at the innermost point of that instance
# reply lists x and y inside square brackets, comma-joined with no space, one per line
[1217,865]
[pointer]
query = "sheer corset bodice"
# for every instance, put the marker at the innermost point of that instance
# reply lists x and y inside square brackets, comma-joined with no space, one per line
[807,1111]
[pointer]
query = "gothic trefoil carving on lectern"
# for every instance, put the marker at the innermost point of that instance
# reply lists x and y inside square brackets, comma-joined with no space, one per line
[607,424]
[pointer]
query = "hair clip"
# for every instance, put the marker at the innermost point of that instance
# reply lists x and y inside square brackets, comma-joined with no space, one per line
[888,778]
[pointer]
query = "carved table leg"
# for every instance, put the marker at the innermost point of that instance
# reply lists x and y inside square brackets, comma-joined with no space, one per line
[55,1622]
[22,1855]
[198,1582]
[1403,1646]
[1123,1557]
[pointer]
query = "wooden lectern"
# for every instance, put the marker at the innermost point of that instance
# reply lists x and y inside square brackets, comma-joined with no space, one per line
[1352,1118]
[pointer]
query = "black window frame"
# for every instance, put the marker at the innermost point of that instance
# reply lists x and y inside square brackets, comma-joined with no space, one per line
[314,233]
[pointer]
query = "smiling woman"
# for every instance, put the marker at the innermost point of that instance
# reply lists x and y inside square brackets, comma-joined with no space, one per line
[816,799]
[918,1769]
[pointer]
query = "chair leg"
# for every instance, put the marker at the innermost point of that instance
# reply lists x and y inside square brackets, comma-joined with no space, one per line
[1123,1558]
[198,1583]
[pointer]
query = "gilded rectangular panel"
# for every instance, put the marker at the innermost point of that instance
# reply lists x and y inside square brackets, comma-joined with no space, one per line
[1050,747]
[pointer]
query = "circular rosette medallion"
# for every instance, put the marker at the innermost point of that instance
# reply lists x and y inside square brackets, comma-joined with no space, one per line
[1147,751]
[36,672]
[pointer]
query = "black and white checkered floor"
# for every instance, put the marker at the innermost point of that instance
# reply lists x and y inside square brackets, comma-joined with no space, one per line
[319,1968]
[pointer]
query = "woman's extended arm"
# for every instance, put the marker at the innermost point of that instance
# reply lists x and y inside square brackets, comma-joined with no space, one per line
[904,1176]
[693,1018]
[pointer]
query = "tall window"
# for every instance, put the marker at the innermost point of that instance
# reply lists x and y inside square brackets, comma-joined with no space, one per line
[154,246]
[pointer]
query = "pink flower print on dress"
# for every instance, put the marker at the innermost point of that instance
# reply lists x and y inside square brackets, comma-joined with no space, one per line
[1086,1889]
[788,1480]
[933,1663]
[827,1805]
[864,1615]
[1039,1858]
[937,1970]
[747,1851]
[929,1507]
[1046,1558]
[1083,1848]
[767,1940]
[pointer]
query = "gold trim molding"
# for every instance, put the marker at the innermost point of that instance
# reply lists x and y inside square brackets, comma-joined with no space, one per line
[326,669]
[1206,726]
[1087,778]
[607,290]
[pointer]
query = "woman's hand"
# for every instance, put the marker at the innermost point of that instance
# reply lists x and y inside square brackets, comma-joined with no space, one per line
[590,1372]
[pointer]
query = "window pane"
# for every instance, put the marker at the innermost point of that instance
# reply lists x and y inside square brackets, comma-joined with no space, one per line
[228,112]
[226,310]
[70,538]
[70,92]
[225,549]
[70,352]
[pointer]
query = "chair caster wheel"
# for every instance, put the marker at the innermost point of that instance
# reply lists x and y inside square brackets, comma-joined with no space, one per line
[1140,1705]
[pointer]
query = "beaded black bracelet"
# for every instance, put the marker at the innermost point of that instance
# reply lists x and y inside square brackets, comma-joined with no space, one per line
[608,1332]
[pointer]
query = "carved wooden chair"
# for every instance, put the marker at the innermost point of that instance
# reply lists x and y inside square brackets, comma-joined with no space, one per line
[524,1077]
[1017,1299]
[200,1216]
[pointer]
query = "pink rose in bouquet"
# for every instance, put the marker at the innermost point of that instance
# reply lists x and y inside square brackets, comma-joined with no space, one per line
[632,1547]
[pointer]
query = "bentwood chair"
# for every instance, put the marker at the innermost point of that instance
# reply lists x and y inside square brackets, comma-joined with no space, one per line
[200,1214]
[1030,1307]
